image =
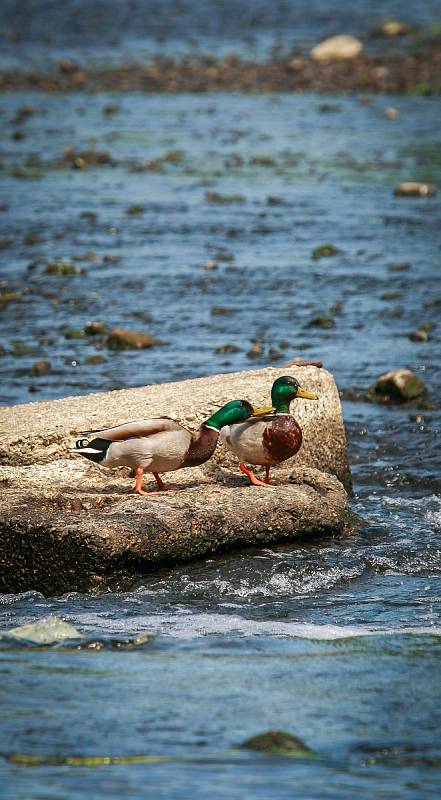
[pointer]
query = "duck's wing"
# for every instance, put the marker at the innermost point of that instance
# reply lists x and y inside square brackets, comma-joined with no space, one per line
[137,428]
[245,439]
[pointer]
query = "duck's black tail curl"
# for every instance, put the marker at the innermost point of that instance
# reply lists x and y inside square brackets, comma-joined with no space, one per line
[94,450]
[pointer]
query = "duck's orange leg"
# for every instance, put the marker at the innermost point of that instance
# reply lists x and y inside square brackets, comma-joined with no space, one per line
[267,477]
[255,481]
[138,484]
[163,487]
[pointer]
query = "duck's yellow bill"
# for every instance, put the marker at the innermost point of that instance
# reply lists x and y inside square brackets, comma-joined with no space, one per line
[258,411]
[306,395]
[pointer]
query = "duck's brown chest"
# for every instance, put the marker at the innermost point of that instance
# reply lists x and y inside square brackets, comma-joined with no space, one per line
[282,438]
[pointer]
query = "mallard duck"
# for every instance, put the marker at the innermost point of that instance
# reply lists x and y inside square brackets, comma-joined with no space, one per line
[270,439]
[161,444]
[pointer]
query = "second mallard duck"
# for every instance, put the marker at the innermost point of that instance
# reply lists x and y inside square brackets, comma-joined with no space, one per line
[270,439]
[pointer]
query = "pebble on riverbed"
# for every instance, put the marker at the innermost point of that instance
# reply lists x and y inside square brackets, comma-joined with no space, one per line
[414,189]
[277,743]
[336,48]
[418,336]
[122,339]
[397,386]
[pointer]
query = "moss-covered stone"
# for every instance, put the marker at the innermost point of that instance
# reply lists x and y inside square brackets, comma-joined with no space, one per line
[321,321]
[325,251]
[63,268]
[398,386]
[278,743]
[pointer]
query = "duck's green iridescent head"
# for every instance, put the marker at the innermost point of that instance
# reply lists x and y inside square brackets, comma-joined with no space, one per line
[233,412]
[284,390]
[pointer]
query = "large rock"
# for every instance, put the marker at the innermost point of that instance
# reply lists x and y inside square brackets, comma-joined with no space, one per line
[69,525]
[336,48]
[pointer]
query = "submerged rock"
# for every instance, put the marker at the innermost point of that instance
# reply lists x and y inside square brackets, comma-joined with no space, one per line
[93,328]
[216,197]
[277,743]
[122,339]
[321,321]
[40,367]
[324,251]
[336,48]
[397,386]
[46,631]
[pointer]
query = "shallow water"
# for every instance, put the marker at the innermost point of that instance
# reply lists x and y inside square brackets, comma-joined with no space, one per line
[337,640]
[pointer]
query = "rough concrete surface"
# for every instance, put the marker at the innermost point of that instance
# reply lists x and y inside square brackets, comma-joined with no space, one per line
[68,525]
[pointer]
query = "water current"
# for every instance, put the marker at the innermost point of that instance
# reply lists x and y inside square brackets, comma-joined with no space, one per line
[335,640]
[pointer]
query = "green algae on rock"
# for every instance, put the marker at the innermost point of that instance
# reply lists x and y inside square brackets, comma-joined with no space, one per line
[397,386]
[278,743]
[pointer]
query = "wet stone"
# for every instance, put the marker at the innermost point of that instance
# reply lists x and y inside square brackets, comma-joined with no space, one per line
[321,321]
[325,251]
[277,743]
[95,328]
[40,367]
[122,339]
[414,189]
[63,268]
[337,48]
[398,386]
[228,348]
[418,336]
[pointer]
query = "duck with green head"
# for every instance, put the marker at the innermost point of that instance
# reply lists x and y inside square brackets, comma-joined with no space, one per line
[272,438]
[161,444]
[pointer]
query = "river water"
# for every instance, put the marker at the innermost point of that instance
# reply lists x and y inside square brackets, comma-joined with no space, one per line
[337,641]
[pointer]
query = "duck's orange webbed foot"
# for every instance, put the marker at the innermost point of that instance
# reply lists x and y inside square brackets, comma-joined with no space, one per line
[163,487]
[255,481]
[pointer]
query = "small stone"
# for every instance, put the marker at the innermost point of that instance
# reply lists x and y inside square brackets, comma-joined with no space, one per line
[95,328]
[414,189]
[262,161]
[399,267]
[216,197]
[135,209]
[40,367]
[228,348]
[324,251]
[32,238]
[73,333]
[336,48]
[221,311]
[277,743]
[274,354]
[321,321]
[418,336]
[20,349]
[394,27]
[255,351]
[427,326]
[211,265]
[397,386]
[391,112]
[275,200]
[63,268]
[95,359]
[122,339]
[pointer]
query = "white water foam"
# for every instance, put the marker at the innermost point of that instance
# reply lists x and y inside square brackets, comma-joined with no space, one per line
[184,625]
